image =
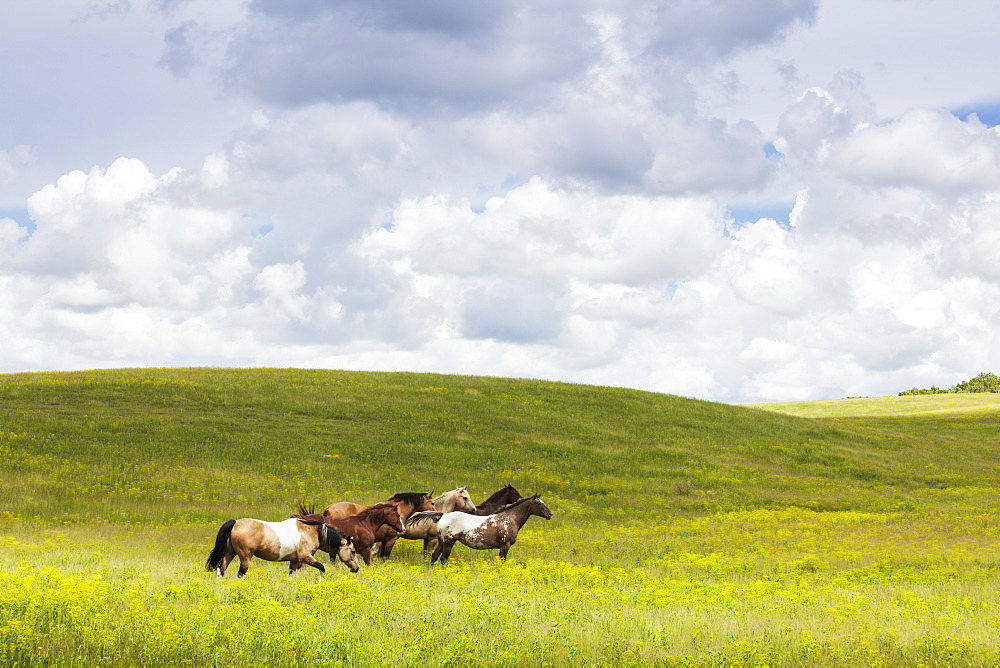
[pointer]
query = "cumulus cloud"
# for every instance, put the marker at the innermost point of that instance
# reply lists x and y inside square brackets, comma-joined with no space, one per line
[930,150]
[509,189]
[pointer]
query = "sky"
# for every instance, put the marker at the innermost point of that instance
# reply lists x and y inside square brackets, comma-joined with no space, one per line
[795,202]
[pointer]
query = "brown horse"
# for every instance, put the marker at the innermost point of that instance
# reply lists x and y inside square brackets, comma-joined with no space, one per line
[293,540]
[498,530]
[406,503]
[363,526]
[498,499]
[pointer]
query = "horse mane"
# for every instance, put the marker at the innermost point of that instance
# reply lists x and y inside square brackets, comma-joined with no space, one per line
[382,505]
[413,498]
[515,504]
[302,510]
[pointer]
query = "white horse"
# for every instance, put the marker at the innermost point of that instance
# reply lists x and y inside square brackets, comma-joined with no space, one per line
[486,532]
[456,499]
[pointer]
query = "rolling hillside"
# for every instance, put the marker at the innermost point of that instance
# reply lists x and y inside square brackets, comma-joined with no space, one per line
[685,532]
[150,445]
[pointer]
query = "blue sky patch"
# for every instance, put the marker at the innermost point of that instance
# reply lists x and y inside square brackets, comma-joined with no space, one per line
[988,112]
[19,216]
[771,152]
[745,214]
[262,231]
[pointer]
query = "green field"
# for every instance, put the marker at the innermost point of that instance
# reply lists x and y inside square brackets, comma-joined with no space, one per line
[858,532]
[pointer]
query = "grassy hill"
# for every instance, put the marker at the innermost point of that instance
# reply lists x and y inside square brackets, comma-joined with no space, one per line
[684,531]
[936,404]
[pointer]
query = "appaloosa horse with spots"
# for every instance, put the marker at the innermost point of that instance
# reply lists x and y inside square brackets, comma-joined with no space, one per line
[498,530]
[293,540]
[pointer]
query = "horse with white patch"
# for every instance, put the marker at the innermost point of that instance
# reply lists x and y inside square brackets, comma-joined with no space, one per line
[292,540]
[498,530]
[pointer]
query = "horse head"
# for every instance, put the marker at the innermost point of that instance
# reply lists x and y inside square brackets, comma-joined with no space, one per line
[511,494]
[347,553]
[337,543]
[426,502]
[539,508]
[465,501]
[456,499]
[392,518]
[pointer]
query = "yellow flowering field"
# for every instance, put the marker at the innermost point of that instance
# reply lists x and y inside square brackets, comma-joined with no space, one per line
[685,533]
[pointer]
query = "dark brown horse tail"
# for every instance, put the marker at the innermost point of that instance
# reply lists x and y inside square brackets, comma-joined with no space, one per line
[215,558]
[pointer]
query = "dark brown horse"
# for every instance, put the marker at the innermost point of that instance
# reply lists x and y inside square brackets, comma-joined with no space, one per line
[498,499]
[498,530]
[406,503]
[361,528]
[293,540]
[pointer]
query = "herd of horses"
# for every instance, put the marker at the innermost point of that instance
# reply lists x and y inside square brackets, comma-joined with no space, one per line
[345,530]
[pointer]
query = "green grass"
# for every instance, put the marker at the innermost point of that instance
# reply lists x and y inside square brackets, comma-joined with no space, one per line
[685,532]
[909,405]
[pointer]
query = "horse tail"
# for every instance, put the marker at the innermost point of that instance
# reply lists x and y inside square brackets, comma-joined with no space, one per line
[215,558]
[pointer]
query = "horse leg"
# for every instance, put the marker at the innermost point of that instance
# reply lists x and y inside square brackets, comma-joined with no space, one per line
[446,552]
[293,566]
[227,557]
[314,563]
[442,551]
[503,550]
[429,544]
[385,548]
[245,557]
[366,554]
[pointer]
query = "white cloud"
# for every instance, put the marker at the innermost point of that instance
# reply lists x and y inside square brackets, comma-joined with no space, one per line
[503,189]
[929,150]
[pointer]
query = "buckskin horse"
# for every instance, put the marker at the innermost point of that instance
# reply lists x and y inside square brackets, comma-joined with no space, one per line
[498,530]
[293,540]
[361,528]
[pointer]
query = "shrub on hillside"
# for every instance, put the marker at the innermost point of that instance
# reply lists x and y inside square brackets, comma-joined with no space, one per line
[984,382]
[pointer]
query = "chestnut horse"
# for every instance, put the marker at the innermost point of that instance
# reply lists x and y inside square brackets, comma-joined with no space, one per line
[406,503]
[292,540]
[362,527]
[498,530]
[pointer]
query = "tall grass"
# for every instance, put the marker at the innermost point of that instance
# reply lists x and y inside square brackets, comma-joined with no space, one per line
[685,532]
